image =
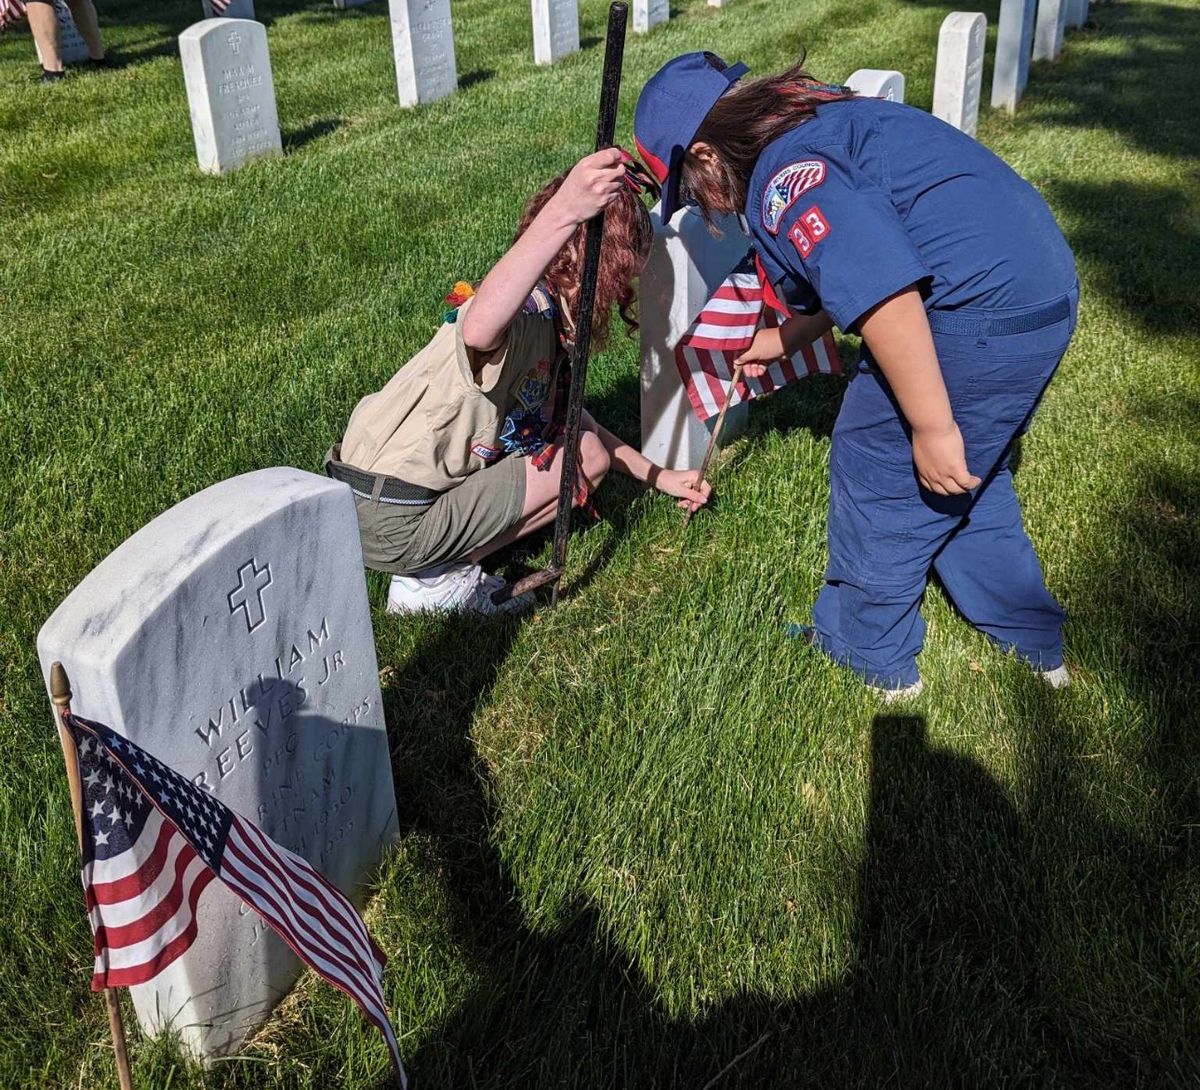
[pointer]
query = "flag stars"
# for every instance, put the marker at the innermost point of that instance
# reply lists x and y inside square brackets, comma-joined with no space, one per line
[97,809]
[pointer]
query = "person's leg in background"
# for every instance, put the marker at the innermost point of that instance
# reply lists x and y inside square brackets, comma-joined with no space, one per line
[43,24]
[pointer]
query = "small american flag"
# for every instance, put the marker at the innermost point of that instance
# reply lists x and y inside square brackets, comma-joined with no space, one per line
[12,11]
[152,842]
[723,329]
[219,7]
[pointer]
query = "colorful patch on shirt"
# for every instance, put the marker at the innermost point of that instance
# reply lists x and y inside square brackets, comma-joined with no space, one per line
[810,227]
[486,453]
[523,432]
[787,187]
[532,391]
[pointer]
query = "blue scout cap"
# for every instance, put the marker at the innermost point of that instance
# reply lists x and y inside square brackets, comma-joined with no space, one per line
[670,110]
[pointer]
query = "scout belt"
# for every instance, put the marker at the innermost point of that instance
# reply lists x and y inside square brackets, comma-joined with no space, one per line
[378,486]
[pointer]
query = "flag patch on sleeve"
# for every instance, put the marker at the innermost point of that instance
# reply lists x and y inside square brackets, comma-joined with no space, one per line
[810,227]
[787,187]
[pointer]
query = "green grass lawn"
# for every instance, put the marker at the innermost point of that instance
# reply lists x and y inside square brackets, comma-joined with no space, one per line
[646,841]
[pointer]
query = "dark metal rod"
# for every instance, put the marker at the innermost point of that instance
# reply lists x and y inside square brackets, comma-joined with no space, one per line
[606,125]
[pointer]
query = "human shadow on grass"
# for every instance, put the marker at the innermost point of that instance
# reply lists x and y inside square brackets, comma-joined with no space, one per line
[948,980]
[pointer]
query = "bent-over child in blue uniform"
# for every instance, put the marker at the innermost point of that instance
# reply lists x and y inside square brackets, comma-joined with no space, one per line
[890,224]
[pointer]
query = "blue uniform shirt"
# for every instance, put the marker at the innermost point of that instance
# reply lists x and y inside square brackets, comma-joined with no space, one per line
[868,197]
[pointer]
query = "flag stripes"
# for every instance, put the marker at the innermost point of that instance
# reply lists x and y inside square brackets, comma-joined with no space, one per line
[724,328]
[154,841]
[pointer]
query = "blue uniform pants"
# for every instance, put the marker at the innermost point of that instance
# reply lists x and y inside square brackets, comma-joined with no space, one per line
[886,532]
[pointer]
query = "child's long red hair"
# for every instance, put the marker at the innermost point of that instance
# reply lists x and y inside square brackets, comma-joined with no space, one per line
[623,249]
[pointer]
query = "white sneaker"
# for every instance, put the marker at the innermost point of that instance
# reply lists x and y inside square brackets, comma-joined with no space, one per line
[1058,678]
[895,696]
[449,587]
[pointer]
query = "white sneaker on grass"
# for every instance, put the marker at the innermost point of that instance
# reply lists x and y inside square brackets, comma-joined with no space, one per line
[897,696]
[1058,678]
[457,586]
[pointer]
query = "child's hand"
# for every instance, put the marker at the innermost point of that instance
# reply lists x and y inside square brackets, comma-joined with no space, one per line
[767,346]
[593,184]
[681,483]
[941,462]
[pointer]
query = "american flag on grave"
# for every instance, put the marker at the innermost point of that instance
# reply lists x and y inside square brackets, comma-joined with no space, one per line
[152,842]
[723,329]
[220,7]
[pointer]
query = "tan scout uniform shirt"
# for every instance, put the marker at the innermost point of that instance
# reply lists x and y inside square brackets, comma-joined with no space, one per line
[436,422]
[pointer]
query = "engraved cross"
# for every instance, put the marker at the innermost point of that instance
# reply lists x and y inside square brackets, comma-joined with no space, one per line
[235,42]
[248,594]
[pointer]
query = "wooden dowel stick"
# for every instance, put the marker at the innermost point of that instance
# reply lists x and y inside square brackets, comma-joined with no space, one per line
[716,434]
[60,698]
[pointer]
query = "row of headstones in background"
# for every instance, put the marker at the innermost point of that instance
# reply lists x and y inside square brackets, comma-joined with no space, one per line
[72,49]
[231,95]
[237,648]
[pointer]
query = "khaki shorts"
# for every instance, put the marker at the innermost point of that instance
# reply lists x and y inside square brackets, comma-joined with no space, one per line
[400,540]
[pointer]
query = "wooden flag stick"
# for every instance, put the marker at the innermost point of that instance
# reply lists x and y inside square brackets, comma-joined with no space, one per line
[60,697]
[716,434]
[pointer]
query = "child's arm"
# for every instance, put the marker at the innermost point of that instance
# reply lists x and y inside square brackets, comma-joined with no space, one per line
[680,483]
[593,184]
[775,342]
[897,333]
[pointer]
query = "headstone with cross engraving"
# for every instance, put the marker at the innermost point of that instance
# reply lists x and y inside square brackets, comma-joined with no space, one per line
[555,29]
[423,46]
[230,92]
[231,639]
[958,77]
[233,9]
[72,49]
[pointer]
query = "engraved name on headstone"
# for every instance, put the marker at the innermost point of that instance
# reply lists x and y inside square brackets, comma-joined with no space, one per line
[647,14]
[555,29]
[230,92]
[231,639]
[423,44]
[877,83]
[958,77]
[72,49]
[1014,44]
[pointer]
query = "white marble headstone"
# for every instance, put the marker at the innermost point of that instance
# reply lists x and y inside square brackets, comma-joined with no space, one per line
[423,44]
[72,49]
[234,9]
[686,265]
[230,92]
[958,77]
[717,3]
[877,83]
[342,5]
[1048,32]
[1077,13]
[647,14]
[555,29]
[1014,44]
[231,639]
